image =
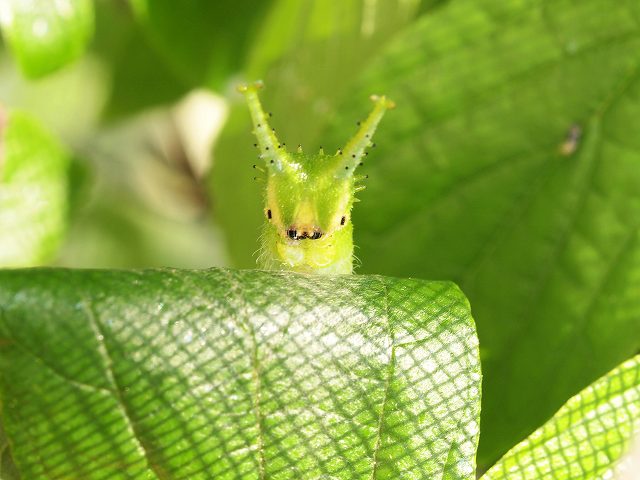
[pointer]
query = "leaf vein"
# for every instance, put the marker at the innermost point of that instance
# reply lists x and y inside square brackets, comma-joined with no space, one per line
[387,384]
[59,374]
[103,350]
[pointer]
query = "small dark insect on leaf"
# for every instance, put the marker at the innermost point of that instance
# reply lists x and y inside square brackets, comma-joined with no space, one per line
[571,141]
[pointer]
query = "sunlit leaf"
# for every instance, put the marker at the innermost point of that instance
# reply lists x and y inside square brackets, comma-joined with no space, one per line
[245,374]
[585,439]
[33,192]
[45,35]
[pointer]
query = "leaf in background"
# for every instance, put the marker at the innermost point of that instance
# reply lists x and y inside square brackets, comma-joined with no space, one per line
[33,192]
[140,78]
[8,470]
[46,35]
[308,53]
[245,374]
[203,41]
[585,438]
[475,179]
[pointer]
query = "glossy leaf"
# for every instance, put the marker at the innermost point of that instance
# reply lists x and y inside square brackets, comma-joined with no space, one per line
[236,374]
[586,438]
[33,192]
[512,165]
[45,35]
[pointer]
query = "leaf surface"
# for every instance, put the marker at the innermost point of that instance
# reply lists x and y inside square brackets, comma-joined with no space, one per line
[586,438]
[33,191]
[203,41]
[45,35]
[236,374]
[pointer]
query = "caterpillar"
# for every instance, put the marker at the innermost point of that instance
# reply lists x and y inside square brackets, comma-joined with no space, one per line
[308,198]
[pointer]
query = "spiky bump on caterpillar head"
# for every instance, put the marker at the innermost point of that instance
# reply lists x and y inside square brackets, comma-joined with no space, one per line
[308,197]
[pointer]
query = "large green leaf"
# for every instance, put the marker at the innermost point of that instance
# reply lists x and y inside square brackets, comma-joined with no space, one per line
[236,374]
[45,35]
[585,438]
[33,191]
[471,182]
[203,41]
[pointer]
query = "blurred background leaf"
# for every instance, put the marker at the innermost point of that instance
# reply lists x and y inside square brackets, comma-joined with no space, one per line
[8,469]
[139,77]
[45,35]
[33,191]
[203,41]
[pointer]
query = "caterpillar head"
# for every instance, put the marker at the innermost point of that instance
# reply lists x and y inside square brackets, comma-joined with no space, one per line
[308,197]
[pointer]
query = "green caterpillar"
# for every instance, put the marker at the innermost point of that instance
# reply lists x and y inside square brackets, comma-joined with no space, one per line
[308,198]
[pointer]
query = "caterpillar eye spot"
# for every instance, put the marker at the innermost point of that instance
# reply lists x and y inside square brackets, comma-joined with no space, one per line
[343,220]
[316,235]
[269,214]
[292,234]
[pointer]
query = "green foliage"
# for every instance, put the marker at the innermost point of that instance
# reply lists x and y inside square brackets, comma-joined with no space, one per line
[140,78]
[236,374]
[469,183]
[203,41]
[511,166]
[45,35]
[585,438]
[33,192]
